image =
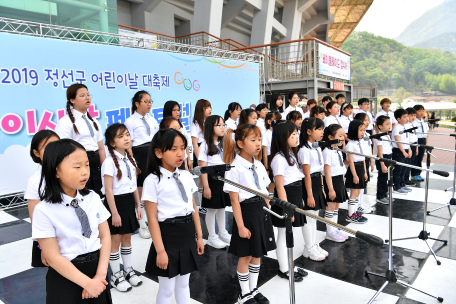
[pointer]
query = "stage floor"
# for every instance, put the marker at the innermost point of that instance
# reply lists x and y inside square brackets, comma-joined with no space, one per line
[338,279]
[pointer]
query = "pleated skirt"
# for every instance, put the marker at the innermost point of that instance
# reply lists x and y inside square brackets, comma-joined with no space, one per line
[126,207]
[339,188]
[294,196]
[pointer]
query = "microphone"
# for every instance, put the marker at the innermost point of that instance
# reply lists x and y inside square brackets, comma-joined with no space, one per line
[377,136]
[408,130]
[432,120]
[327,143]
[210,169]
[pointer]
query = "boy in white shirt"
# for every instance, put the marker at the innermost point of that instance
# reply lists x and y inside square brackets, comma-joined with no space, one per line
[413,139]
[401,152]
[364,105]
[423,127]
[386,104]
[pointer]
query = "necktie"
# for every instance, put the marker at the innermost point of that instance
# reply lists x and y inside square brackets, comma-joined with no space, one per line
[422,129]
[341,162]
[180,186]
[82,216]
[368,117]
[128,167]
[294,160]
[319,157]
[255,176]
[360,148]
[146,124]
[88,125]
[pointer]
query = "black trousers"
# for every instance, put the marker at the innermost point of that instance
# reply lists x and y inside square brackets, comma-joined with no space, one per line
[382,180]
[419,157]
[94,182]
[399,171]
[412,161]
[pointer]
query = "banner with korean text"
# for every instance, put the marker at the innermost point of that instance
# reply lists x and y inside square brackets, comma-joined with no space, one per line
[333,63]
[35,72]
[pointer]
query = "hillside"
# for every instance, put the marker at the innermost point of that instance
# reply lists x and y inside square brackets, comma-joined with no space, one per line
[431,24]
[390,64]
[445,42]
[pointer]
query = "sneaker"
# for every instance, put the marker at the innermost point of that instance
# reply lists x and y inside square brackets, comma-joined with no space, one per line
[144,233]
[410,183]
[246,299]
[360,215]
[259,297]
[225,236]
[131,276]
[322,251]
[313,253]
[202,210]
[420,179]
[300,271]
[400,191]
[415,178]
[363,209]
[118,282]
[285,275]
[335,237]
[383,201]
[355,219]
[216,242]
[341,233]
[407,189]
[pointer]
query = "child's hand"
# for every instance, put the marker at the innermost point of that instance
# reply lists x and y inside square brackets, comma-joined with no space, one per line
[207,193]
[332,194]
[139,211]
[116,220]
[365,176]
[310,201]
[244,233]
[95,287]
[162,260]
[355,179]
[405,154]
[417,151]
[43,259]
[346,163]
[200,246]
[189,164]
[102,278]
[384,168]
[410,153]
[372,167]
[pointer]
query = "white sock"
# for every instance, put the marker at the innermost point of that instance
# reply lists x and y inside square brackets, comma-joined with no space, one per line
[352,207]
[244,282]
[165,290]
[126,256]
[221,219]
[307,232]
[356,204]
[182,289]
[281,250]
[210,221]
[361,195]
[313,224]
[329,216]
[114,262]
[142,222]
[335,217]
[200,195]
[254,272]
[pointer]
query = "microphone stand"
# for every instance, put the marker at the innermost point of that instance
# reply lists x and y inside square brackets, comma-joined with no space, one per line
[453,199]
[288,210]
[423,235]
[390,274]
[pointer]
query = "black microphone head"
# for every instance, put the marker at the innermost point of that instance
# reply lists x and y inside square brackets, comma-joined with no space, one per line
[315,144]
[196,171]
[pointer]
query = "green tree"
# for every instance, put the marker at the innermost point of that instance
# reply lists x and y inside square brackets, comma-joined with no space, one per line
[448,84]
[400,95]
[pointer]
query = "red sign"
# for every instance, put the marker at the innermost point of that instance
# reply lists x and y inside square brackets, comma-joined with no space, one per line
[338,85]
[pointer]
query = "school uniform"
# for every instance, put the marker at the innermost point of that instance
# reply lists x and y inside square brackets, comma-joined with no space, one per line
[195,131]
[260,124]
[423,127]
[371,121]
[123,190]
[345,122]
[334,159]
[357,147]
[219,198]
[367,149]
[399,171]
[382,180]
[306,115]
[292,183]
[257,220]
[314,158]
[174,214]
[266,140]
[89,137]
[389,114]
[329,120]
[142,129]
[79,243]
[31,193]
[231,124]
[413,139]
[291,109]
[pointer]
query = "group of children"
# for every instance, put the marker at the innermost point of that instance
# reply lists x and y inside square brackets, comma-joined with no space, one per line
[86,200]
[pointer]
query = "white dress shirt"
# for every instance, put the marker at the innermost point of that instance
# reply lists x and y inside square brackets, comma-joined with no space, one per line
[31,189]
[423,127]
[260,124]
[310,157]
[195,131]
[389,114]
[404,136]
[216,159]
[333,158]
[138,130]
[413,138]
[60,221]
[371,120]
[353,146]
[306,115]
[345,122]
[166,194]
[242,174]
[330,120]
[291,173]
[291,109]
[65,129]
[266,140]
[231,124]
[387,147]
[124,185]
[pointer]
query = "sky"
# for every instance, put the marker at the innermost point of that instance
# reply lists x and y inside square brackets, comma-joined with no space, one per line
[388,18]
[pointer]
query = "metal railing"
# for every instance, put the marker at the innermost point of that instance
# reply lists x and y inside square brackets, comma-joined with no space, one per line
[365,91]
[158,42]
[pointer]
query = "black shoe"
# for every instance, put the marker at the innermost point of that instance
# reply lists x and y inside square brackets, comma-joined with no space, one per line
[297,276]
[259,297]
[301,271]
[247,299]
[410,183]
